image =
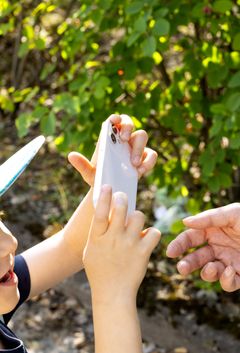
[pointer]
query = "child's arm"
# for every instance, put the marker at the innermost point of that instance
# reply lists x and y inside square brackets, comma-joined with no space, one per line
[115,260]
[60,256]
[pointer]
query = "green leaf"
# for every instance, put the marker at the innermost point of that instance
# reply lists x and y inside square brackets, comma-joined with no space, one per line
[216,74]
[234,80]
[216,127]
[135,7]
[217,108]
[177,227]
[225,180]
[132,38]
[235,142]
[209,166]
[161,28]
[236,42]
[222,6]
[48,124]
[197,10]
[233,102]
[40,43]
[140,25]
[23,123]
[161,12]
[214,184]
[23,49]
[149,46]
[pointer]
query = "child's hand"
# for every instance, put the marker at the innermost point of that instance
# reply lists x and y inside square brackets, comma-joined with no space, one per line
[116,254]
[143,158]
[218,232]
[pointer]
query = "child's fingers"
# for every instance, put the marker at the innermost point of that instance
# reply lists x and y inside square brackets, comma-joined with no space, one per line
[148,162]
[83,166]
[119,212]
[184,241]
[127,127]
[151,239]
[195,260]
[230,280]
[138,142]
[101,217]
[212,271]
[124,122]
[135,223]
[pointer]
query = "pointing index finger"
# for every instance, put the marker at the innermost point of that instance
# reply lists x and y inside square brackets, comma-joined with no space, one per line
[219,217]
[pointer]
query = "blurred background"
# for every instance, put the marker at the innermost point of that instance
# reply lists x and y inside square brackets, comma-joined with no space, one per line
[174,67]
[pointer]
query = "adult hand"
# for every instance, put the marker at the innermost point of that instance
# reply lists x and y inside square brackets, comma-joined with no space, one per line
[217,233]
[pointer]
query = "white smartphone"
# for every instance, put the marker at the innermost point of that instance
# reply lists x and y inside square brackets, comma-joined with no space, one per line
[114,166]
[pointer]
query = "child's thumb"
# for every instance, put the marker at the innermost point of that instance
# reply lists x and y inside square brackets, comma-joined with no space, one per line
[83,166]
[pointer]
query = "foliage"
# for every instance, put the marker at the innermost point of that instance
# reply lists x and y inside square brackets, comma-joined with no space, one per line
[174,66]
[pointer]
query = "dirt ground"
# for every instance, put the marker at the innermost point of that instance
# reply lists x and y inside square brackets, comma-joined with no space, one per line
[190,321]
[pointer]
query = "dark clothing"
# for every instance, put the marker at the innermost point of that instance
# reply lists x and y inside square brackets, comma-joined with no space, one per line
[8,338]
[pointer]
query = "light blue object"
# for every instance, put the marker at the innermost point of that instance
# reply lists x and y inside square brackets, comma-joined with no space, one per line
[15,165]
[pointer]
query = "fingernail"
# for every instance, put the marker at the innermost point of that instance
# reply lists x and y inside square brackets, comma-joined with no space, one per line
[105,188]
[120,199]
[136,160]
[183,267]
[229,271]
[189,219]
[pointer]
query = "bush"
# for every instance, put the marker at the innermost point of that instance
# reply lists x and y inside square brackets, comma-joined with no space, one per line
[174,66]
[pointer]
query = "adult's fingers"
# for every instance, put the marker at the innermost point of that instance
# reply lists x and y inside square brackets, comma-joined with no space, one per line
[83,166]
[195,260]
[219,217]
[138,142]
[230,280]
[148,162]
[100,220]
[212,271]
[119,212]
[186,240]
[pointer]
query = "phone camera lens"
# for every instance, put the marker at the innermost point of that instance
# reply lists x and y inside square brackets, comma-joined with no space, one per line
[114,129]
[113,137]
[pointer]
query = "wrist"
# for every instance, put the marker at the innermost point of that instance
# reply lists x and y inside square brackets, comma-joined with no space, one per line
[124,298]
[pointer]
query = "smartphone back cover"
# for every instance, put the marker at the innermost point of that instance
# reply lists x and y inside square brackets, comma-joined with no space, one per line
[114,167]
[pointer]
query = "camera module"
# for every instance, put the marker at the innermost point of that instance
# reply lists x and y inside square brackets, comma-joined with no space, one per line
[113,137]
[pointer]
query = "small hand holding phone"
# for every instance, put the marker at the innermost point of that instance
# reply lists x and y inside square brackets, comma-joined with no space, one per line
[114,166]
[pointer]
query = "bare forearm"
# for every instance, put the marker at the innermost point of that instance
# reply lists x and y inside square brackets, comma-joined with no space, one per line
[60,256]
[76,231]
[116,327]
